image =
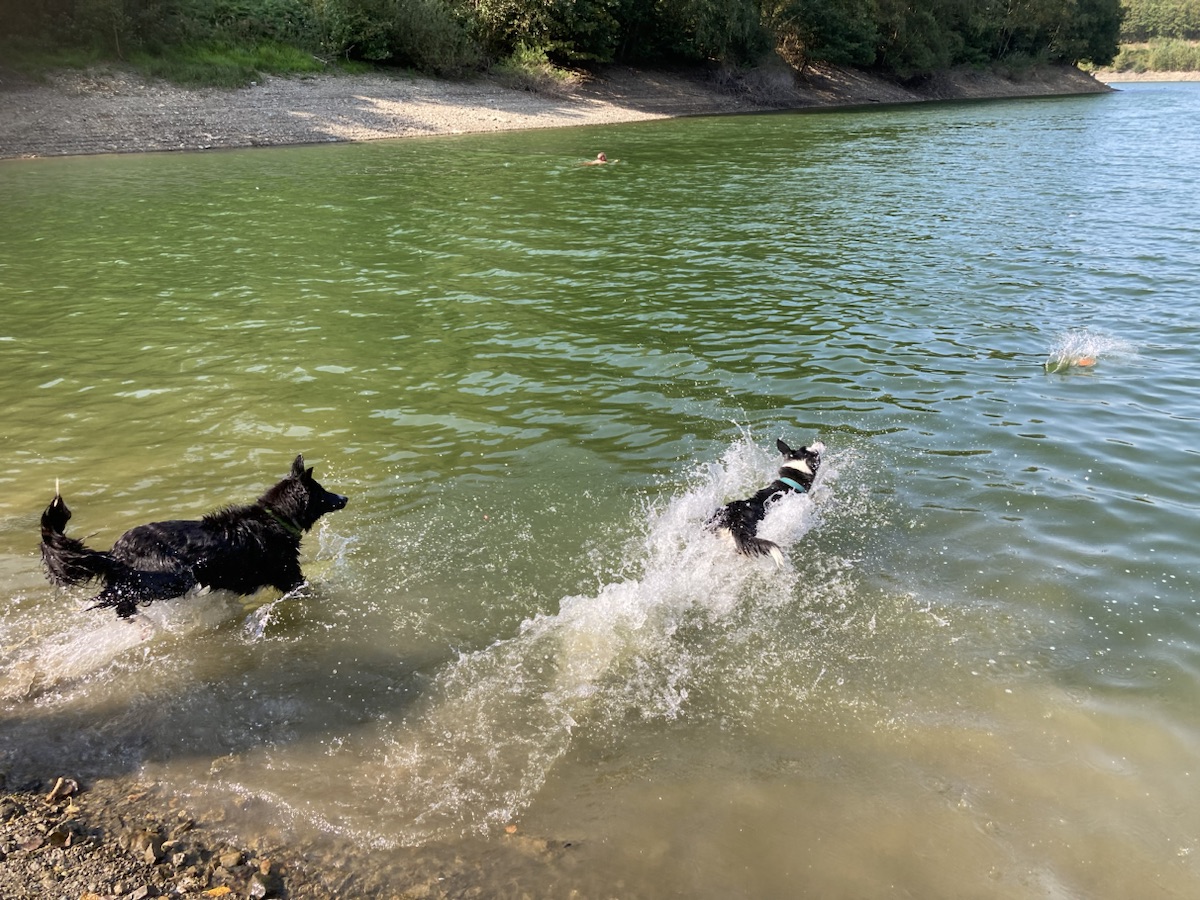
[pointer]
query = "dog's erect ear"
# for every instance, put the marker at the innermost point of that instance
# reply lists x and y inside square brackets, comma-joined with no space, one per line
[298,466]
[784,448]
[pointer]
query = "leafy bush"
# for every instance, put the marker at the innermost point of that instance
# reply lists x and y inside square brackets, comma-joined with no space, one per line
[531,69]
[429,36]
[1175,56]
[1159,56]
[425,34]
[280,21]
[567,30]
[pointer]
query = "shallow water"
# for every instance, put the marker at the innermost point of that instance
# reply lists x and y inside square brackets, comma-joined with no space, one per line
[977,675]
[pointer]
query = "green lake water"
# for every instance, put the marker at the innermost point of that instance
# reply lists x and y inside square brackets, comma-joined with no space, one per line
[977,676]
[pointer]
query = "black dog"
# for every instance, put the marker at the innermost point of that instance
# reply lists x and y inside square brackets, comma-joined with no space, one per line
[239,549]
[738,521]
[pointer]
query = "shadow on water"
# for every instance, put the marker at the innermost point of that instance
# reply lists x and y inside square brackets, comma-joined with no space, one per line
[94,696]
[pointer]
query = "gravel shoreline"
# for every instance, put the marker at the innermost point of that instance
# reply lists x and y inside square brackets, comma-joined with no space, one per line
[126,838]
[113,110]
[126,841]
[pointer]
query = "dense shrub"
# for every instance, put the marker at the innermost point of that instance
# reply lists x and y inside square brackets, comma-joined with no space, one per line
[424,34]
[1160,56]
[569,30]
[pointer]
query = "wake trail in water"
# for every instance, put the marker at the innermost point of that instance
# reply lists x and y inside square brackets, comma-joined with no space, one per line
[498,719]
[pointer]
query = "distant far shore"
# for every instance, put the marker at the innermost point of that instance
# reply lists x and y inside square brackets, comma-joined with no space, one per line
[1109,77]
[113,110]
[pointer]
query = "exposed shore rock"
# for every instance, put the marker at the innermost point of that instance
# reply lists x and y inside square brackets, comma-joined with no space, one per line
[112,110]
[120,840]
[124,838]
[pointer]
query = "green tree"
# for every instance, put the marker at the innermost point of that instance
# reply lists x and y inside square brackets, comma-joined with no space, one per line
[567,30]
[843,32]
[1061,30]
[1092,33]
[917,36]
[729,31]
[1147,20]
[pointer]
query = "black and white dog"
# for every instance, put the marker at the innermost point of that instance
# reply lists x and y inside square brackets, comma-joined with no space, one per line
[238,549]
[738,521]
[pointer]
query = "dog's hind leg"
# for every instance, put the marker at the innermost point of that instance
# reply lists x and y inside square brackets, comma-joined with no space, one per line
[136,587]
[749,545]
[125,606]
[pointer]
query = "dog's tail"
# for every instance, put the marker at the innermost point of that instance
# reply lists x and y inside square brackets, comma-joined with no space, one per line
[66,560]
[749,545]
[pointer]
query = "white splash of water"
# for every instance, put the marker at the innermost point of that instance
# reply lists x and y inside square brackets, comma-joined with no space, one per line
[1082,349]
[37,659]
[332,551]
[499,718]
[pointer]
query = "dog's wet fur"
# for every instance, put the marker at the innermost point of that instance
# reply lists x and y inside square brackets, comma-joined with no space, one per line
[738,521]
[238,549]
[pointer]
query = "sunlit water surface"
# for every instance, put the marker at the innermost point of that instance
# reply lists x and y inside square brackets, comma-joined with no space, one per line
[521,662]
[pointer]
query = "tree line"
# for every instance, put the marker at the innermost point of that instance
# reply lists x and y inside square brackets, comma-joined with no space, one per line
[908,38]
[1148,20]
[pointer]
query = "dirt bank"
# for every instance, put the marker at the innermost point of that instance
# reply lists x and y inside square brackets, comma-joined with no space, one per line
[1110,77]
[111,110]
